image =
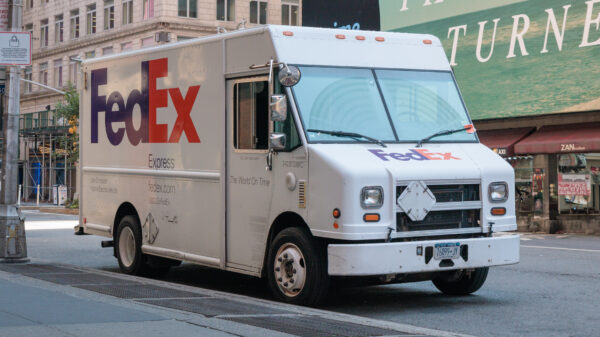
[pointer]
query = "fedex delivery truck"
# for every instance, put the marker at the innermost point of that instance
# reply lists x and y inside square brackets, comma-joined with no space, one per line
[294,154]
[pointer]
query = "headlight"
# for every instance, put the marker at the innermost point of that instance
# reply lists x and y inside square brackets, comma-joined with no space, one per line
[498,192]
[371,197]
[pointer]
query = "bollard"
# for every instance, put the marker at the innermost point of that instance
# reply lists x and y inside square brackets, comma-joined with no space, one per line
[19,195]
[38,194]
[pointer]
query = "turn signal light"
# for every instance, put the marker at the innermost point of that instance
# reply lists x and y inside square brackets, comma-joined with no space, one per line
[498,211]
[371,217]
[288,33]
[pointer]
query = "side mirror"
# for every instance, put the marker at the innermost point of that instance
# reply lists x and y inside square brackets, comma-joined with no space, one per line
[277,141]
[278,108]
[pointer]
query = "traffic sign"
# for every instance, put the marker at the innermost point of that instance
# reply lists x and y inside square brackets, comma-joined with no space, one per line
[15,48]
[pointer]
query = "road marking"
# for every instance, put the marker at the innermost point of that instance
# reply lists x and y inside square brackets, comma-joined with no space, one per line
[559,248]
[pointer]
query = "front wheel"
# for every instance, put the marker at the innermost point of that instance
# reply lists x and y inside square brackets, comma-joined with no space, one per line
[461,282]
[297,268]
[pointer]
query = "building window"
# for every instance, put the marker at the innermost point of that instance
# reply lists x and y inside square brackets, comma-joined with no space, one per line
[188,8]
[184,38]
[127,12]
[148,9]
[578,187]
[43,73]
[28,4]
[226,10]
[58,78]
[90,54]
[107,50]
[28,76]
[126,46]
[258,12]
[148,42]
[289,13]
[59,29]
[44,33]
[29,29]
[91,19]
[109,14]
[73,70]
[74,24]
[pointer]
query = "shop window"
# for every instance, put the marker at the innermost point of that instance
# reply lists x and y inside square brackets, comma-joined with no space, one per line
[578,183]
[524,185]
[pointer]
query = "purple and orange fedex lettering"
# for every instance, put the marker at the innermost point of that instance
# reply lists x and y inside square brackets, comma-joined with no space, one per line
[149,99]
[414,154]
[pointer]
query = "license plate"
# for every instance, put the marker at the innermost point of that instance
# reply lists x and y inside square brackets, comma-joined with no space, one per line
[445,251]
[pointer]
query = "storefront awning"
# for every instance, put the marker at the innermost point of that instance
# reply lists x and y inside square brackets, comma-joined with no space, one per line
[573,138]
[502,141]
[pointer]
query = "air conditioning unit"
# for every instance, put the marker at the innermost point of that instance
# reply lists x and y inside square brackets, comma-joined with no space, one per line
[162,37]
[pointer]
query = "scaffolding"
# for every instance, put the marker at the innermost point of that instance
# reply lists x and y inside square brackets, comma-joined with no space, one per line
[44,161]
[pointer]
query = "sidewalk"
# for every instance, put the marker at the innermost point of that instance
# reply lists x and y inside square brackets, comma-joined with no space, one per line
[48,208]
[38,299]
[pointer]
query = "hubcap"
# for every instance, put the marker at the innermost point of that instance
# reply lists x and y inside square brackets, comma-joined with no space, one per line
[127,247]
[290,269]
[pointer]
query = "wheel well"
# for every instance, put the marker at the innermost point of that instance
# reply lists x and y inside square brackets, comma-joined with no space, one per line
[124,210]
[283,221]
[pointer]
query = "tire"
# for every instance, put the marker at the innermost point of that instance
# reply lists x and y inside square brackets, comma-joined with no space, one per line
[461,282]
[297,268]
[128,249]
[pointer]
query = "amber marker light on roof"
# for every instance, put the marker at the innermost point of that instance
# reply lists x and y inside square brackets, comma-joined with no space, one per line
[360,38]
[288,33]
[340,36]
[427,41]
[379,39]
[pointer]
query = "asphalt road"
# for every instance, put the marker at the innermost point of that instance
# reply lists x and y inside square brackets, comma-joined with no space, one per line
[554,291]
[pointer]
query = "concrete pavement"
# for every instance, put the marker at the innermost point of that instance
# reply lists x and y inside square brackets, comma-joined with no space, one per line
[41,299]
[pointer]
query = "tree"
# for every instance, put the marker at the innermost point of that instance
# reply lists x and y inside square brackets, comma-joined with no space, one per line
[68,110]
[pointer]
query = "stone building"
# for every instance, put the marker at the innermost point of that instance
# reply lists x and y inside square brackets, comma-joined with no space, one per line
[64,32]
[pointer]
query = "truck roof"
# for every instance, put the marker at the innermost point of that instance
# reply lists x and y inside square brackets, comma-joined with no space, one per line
[331,47]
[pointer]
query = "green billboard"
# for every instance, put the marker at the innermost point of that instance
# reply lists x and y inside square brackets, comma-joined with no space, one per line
[512,57]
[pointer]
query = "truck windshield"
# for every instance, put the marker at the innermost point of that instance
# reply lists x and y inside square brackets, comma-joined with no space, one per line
[390,105]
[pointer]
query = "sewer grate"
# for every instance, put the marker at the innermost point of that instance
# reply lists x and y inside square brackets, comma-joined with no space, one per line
[36,269]
[81,278]
[211,307]
[137,291]
[313,326]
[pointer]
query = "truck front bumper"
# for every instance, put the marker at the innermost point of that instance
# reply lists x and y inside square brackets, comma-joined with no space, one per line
[417,256]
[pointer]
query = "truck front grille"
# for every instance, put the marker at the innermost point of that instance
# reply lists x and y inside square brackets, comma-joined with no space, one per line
[440,220]
[450,193]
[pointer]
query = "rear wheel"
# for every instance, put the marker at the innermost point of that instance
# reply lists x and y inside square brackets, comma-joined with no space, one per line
[297,268]
[128,243]
[461,282]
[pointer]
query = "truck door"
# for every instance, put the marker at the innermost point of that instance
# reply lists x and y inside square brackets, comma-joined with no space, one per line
[249,189]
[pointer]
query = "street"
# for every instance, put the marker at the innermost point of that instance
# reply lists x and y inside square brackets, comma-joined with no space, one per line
[554,291]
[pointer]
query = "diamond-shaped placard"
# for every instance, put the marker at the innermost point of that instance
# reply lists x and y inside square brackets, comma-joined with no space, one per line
[416,200]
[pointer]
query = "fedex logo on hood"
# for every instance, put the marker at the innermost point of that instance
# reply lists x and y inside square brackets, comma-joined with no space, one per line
[414,154]
[117,110]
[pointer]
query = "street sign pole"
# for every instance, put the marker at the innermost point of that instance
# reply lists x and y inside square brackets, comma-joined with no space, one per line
[13,247]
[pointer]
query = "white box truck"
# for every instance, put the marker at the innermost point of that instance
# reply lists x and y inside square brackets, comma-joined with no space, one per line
[295,154]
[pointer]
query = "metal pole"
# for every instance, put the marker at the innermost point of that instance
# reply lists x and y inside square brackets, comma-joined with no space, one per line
[13,247]
[43,182]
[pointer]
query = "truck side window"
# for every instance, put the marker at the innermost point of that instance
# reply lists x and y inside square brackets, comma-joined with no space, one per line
[289,125]
[251,116]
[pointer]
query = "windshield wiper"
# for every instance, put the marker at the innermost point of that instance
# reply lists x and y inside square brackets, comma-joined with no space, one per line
[443,133]
[347,134]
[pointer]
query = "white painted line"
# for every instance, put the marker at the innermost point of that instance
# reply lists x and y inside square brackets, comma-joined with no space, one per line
[40,225]
[572,249]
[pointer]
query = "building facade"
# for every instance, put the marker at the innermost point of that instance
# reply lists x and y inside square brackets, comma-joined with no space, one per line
[64,32]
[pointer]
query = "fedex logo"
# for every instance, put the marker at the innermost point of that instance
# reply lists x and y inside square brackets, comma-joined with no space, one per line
[149,99]
[414,154]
